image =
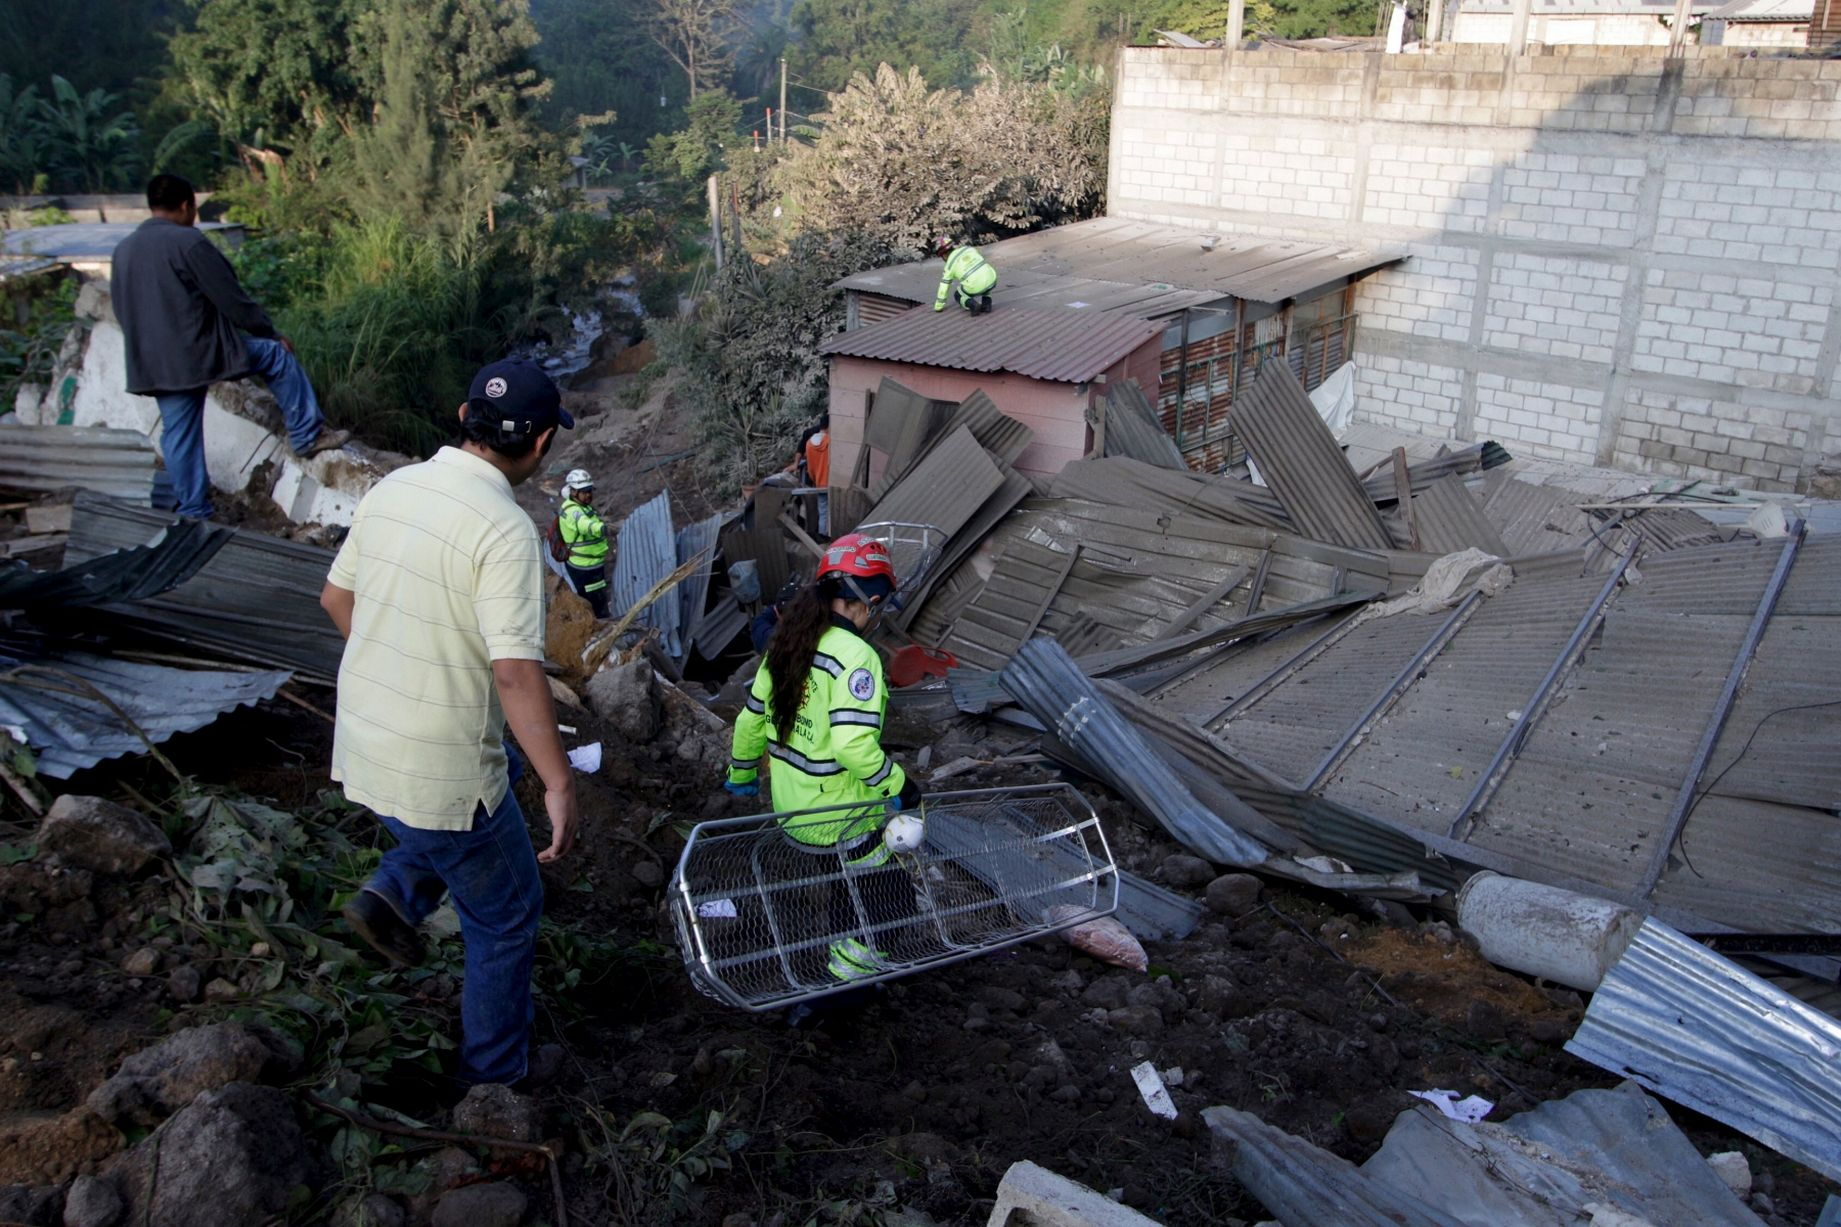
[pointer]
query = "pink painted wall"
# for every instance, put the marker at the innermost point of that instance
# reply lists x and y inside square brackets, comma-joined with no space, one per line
[1057,412]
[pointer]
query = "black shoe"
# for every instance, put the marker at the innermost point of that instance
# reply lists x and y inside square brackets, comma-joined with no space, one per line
[984,305]
[545,1069]
[372,918]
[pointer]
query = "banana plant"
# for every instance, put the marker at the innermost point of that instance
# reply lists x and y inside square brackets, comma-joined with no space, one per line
[91,142]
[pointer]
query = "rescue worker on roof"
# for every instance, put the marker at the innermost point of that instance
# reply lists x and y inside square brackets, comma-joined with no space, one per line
[585,534]
[975,277]
[827,743]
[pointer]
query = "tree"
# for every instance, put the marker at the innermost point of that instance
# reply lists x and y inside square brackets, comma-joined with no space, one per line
[455,118]
[90,142]
[837,39]
[280,79]
[24,147]
[713,122]
[901,162]
[698,35]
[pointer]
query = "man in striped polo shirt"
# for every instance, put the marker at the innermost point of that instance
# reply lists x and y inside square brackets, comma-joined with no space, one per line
[438,591]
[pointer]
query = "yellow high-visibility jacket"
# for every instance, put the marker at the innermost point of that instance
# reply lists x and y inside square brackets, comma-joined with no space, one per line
[835,755]
[585,533]
[970,270]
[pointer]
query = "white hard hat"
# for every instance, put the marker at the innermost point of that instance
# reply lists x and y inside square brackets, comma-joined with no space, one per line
[904,833]
[578,479]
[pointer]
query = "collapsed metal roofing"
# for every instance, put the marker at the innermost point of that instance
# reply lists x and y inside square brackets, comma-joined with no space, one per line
[87,243]
[1690,1024]
[1060,346]
[35,459]
[174,556]
[1568,1160]
[1764,10]
[1127,253]
[76,709]
[257,598]
[1623,735]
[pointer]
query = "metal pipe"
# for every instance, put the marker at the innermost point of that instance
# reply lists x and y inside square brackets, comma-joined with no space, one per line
[1716,723]
[1537,702]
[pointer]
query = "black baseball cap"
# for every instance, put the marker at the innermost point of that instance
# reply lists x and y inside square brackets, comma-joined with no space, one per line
[518,398]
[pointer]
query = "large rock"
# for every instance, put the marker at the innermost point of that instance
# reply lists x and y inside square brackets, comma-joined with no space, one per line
[34,1206]
[482,1205]
[156,1082]
[494,1111]
[627,697]
[92,1202]
[1184,871]
[1233,894]
[101,836]
[233,1157]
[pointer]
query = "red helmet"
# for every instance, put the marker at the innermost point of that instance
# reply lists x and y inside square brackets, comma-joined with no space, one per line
[857,557]
[942,243]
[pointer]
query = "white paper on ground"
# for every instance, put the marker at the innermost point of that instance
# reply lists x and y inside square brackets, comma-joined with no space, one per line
[1150,1086]
[717,909]
[586,759]
[1469,1109]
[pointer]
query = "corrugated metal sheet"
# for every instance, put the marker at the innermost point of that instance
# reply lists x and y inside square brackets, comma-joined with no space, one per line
[256,599]
[945,489]
[883,292]
[119,463]
[1057,346]
[697,540]
[1132,428]
[72,705]
[1585,798]
[1449,518]
[1044,679]
[721,626]
[648,552]
[1024,578]
[1698,1029]
[126,575]
[1612,1149]
[918,602]
[1132,253]
[1535,519]
[1127,482]
[902,423]
[1001,435]
[87,242]
[1299,458]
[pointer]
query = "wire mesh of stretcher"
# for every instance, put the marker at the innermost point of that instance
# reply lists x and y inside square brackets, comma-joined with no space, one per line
[761,917]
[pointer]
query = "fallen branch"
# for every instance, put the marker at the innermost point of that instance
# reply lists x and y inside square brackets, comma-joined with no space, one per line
[604,643]
[463,1139]
[295,699]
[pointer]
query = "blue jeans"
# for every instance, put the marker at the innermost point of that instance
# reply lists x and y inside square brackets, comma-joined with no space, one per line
[182,417]
[491,873]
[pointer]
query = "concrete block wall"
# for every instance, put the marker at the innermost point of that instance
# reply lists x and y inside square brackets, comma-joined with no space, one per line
[1615,256]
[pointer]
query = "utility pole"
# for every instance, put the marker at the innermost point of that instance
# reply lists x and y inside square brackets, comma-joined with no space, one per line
[716,221]
[1236,24]
[782,101]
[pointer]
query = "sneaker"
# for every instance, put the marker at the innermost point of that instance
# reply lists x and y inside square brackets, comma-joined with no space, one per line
[372,918]
[852,960]
[326,441]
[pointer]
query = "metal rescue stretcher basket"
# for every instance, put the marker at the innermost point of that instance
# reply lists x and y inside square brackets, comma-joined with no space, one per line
[757,914]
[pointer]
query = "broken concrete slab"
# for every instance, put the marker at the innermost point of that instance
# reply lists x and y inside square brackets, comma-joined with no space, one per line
[1033,1196]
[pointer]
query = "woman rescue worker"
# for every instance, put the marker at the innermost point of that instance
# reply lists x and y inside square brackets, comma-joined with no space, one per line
[827,742]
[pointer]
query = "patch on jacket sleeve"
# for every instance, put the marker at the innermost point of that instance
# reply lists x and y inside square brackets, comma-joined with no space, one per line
[862,685]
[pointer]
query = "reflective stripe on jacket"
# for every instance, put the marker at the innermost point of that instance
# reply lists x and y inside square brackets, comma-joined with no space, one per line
[585,533]
[969,269]
[835,755]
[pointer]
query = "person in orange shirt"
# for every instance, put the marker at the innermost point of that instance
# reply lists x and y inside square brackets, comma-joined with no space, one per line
[815,456]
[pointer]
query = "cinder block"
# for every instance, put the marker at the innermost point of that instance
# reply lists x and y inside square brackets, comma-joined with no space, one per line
[1032,1196]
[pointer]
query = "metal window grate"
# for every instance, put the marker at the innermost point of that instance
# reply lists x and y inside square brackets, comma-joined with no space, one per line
[759,916]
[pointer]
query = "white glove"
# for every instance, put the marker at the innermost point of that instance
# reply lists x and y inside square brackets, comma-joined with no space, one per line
[904,833]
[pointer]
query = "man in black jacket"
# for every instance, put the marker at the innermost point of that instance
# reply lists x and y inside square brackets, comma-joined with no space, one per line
[184,317]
